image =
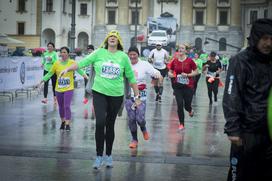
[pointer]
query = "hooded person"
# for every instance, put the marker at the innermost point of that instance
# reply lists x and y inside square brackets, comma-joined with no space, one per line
[111,65]
[245,106]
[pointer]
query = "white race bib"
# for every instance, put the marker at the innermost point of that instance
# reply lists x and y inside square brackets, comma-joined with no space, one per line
[110,70]
[64,82]
[182,79]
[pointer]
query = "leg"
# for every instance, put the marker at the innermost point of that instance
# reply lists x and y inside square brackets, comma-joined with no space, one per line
[68,95]
[215,89]
[179,98]
[209,86]
[188,96]
[45,87]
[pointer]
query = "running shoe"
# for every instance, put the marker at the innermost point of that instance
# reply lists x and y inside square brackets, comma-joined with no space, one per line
[67,127]
[181,127]
[44,100]
[108,161]
[62,126]
[191,114]
[145,135]
[159,98]
[85,100]
[133,144]
[98,162]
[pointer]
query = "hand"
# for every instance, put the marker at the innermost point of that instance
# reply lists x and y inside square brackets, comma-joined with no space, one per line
[63,72]
[236,140]
[170,74]
[137,102]
[39,85]
[184,74]
[157,75]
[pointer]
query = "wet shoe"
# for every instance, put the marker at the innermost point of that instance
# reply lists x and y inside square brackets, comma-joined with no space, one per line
[85,101]
[181,127]
[191,114]
[44,100]
[67,127]
[145,135]
[62,126]
[98,162]
[108,161]
[133,144]
[157,97]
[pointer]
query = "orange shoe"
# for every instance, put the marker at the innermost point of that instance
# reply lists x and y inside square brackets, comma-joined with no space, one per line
[145,135]
[181,127]
[133,144]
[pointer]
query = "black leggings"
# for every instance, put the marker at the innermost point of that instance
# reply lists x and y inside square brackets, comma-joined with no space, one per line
[212,88]
[106,109]
[184,96]
[53,81]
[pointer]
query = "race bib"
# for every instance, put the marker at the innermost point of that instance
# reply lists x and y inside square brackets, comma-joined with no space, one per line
[182,80]
[110,70]
[211,74]
[158,64]
[64,82]
[48,59]
[143,93]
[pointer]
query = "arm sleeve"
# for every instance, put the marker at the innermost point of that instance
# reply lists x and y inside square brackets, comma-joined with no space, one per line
[88,60]
[129,74]
[232,98]
[81,72]
[151,70]
[50,73]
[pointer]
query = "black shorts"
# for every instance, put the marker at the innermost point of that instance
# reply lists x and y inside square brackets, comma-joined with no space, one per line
[163,72]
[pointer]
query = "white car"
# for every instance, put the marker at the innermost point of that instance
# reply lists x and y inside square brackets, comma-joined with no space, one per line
[158,36]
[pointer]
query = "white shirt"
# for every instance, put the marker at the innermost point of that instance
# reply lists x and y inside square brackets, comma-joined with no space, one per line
[159,57]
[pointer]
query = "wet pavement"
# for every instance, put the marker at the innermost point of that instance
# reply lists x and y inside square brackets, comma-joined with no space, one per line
[33,148]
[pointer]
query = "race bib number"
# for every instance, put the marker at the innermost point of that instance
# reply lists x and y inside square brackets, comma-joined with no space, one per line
[64,82]
[143,93]
[211,74]
[158,64]
[48,59]
[182,80]
[110,70]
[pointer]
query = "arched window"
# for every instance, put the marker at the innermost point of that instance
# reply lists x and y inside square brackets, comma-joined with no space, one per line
[222,44]
[198,44]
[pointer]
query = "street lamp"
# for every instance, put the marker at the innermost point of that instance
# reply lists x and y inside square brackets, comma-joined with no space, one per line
[227,44]
[136,22]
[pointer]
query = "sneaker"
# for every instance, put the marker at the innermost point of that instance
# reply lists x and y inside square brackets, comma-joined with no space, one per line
[133,144]
[44,100]
[108,161]
[181,127]
[145,135]
[98,162]
[62,126]
[191,114]
[159,98]
[85,100]
[67,127]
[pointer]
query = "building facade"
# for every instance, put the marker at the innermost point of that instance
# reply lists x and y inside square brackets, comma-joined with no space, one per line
[209,25]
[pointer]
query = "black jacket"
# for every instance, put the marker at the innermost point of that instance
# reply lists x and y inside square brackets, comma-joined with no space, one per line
[248,82]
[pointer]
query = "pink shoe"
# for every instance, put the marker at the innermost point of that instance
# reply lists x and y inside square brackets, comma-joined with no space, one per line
[181,127]
[44,100]
[133,144]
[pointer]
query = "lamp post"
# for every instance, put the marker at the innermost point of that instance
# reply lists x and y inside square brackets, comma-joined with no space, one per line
[136,22]
[227,44]
[73,25]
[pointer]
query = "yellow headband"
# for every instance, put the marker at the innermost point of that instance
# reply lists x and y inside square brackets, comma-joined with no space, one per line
[113,33]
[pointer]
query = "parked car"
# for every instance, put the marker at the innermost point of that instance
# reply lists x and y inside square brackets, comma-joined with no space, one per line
[158,36]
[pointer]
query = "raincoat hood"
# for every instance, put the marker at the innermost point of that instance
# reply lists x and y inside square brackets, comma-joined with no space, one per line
[259,28]
[117,35]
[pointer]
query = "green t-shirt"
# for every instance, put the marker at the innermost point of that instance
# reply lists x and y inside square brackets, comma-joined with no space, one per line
[110,69]
[47,63]
[199,65]
[225,60]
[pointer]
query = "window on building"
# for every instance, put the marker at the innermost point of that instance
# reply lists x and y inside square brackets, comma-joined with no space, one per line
[112,1]
[167,1]
[111,17]
[199,17]
[21,5]
[83,9]
[49,5]
[223,1]
[198,44]
[222,44]
[134,17]
[265,13]
[200,1]
[21,28]
[253,16]
[134,1]
[64,6]
[223,17]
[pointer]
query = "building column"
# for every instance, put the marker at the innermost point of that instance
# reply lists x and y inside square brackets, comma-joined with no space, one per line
[235,13]
[211,12]
[186,15]
[100,12]
[123,15]
[145,9]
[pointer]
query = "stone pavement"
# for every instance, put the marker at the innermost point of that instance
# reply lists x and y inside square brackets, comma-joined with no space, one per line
[33,148]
